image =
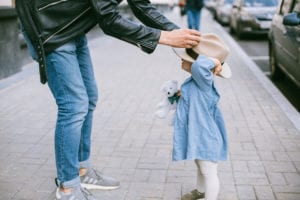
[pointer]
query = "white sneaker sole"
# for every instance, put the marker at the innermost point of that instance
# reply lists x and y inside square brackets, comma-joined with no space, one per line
[57,195]
[98,187]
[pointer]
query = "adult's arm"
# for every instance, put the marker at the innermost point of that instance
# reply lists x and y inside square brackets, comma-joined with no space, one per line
[171,34]
[147,38]
[150,16]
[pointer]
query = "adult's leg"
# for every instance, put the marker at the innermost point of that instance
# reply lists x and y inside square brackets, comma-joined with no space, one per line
[87,72]
[67,86]
[209,170]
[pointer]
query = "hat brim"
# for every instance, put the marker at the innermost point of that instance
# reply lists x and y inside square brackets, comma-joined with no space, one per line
[226,71]
[181,53]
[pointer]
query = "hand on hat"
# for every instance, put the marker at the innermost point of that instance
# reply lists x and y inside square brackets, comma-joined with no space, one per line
[218,66]
[180,38]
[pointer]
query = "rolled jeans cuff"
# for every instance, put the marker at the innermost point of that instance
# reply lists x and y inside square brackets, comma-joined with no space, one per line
[85,164]
[72,183]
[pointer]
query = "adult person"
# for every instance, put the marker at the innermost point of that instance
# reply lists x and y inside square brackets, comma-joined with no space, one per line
[55,33]
[193,11]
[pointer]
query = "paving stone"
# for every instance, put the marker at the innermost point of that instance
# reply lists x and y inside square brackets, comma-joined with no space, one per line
[226,178]
[289,196]
[228,192]
[245,156]
[297,164]
[276,178]
[279,166]
[246,193]
[225,167]
[281,156]
[248,146]
[291,145]
[141,175]
[172,191]
[255,166]
[292,178]
[294,156]
[140,190]
[286,189]
[264,193]
[158,176]
[240,166]
[266,155]
[251,178]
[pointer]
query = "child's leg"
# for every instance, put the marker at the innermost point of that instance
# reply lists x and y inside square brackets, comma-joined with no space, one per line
[200,178]
[209,171]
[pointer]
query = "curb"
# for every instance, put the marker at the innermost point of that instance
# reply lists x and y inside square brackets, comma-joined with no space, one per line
[289,110]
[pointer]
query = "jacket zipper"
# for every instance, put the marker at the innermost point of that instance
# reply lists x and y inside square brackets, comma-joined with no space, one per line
[68,24]
[51,4]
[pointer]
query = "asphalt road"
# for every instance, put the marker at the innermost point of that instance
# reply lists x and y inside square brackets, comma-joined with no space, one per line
[256,46]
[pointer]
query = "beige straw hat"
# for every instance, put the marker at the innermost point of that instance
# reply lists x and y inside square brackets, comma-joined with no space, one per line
[211,46]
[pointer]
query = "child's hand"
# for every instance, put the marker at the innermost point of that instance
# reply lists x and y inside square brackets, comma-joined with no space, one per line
[218,66]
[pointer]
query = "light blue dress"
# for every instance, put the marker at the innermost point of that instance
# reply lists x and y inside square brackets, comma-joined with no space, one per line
[199,129]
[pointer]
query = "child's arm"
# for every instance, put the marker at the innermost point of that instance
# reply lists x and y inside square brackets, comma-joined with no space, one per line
[203,69]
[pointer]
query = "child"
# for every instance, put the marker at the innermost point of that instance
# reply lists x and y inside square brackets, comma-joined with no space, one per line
[199,130]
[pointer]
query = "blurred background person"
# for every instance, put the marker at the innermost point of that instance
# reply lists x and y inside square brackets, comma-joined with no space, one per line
[193,11]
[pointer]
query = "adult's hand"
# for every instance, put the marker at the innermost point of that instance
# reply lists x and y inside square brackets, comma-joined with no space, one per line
[180,38]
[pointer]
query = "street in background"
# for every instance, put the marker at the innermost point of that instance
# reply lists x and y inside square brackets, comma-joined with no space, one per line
[252,16]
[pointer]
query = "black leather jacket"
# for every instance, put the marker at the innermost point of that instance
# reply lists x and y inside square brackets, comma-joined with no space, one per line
[52,23]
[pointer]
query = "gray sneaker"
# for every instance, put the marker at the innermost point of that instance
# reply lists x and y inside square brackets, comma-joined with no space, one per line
[94,179]
[78,193]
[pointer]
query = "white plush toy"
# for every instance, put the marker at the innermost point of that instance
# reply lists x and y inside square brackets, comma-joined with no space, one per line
[167,107]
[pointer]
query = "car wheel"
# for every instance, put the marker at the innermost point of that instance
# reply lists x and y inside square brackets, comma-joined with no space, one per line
[239,33]
[276,72]
[231,30]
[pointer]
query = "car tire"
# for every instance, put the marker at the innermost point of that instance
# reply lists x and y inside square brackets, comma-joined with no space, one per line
[231,30]
[239,32]
[276,72]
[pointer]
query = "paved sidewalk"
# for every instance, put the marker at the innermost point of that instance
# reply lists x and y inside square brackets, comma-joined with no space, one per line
[133,146]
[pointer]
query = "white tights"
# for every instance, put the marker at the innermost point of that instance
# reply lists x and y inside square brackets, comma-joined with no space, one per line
[207,179]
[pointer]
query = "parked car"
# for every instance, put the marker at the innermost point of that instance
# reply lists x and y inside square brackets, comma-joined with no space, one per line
[284,42]
[252,16]
[223,11]
[211,6]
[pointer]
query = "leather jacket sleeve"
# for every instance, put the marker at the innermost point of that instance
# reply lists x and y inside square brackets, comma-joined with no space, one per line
[150,16]
[112,23]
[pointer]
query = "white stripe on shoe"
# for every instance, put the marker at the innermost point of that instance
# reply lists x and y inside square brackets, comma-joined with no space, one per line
[86,179]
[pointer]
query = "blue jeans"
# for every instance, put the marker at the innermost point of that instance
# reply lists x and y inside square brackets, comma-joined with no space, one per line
[193,19]
[71,80]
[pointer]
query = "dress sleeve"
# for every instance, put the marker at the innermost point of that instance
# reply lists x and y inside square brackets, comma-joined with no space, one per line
[201,72]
